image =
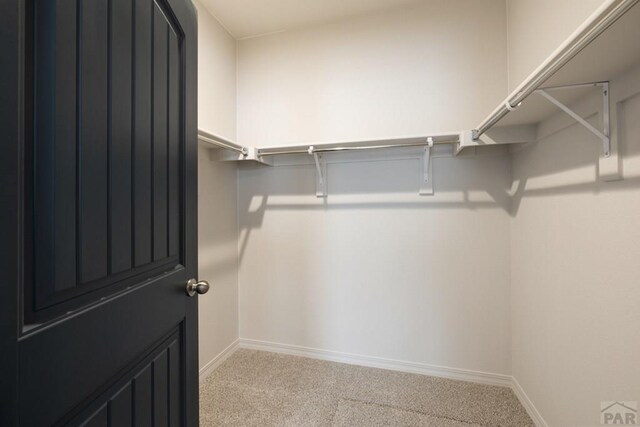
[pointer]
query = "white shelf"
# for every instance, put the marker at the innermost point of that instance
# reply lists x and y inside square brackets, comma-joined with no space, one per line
[611,54]
[604,47]
[401,141]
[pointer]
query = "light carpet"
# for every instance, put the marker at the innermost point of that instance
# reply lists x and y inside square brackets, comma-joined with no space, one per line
[255,388]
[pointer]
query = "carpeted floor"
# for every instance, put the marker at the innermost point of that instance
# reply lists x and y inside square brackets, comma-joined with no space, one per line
[255,388]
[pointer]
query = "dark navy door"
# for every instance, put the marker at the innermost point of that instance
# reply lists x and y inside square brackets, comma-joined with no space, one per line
[98,215]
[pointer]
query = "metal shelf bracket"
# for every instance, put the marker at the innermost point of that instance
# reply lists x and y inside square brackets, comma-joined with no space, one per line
[321,173]
[426,182]
[605,134]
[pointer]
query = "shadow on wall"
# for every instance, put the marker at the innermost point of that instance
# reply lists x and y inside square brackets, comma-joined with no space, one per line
[376,183]
[566,158]
[564,161]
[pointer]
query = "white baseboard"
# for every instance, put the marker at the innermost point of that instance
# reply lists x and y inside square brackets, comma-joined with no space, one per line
[211,366]
[379,362]
[528,404]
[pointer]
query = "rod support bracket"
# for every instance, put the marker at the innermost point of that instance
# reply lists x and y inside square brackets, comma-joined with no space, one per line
[426,181]
[605,134]
[321,173]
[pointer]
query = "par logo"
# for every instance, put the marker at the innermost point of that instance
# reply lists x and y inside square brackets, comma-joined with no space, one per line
[619,413]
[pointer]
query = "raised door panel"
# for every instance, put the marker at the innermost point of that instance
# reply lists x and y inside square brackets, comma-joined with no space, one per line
[107,149]
[149,395]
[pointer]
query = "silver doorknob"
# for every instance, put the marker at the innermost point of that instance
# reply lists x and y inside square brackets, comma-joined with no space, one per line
[193,287]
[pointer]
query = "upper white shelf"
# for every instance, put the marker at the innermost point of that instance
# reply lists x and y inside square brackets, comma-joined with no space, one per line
[607,45]
[398,142]
[604,47]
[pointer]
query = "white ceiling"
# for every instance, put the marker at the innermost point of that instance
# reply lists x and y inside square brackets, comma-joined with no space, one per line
[249,18]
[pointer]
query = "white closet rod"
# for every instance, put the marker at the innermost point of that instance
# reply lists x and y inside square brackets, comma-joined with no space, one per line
[221,142]
[606,15]
[315,149]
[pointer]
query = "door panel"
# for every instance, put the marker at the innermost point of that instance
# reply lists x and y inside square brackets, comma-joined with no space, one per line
[102,196]
[92,232]
[121,135]
[142,131]
[101,345]
[102,156]
[150,394]
[174,151]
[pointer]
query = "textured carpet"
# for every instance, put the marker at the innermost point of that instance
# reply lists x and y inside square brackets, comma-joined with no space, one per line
[255,388]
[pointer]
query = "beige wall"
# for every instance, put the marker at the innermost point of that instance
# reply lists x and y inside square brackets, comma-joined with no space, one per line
[574,241]
[575,271]
[376,269]
[217,82]
[425,68]
[217,182]
[537,27]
